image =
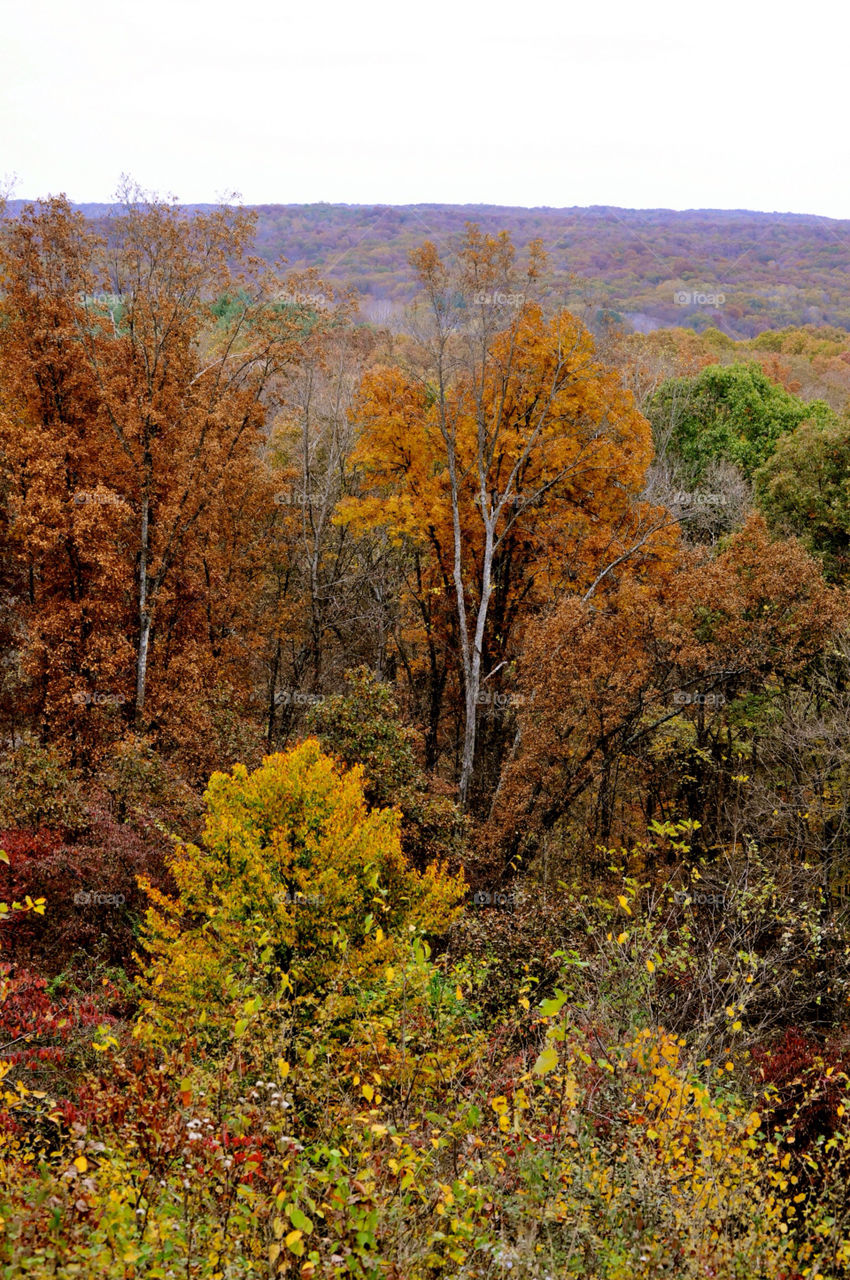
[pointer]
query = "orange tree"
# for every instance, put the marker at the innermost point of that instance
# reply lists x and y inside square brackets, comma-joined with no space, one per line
[506,455]
[136,373]
[639,706]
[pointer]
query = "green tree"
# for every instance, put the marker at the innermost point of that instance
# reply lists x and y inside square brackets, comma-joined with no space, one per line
[803,489]
[728,411]
[363,726]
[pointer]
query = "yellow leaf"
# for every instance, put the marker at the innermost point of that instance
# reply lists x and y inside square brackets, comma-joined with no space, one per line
[278,1227]
[368,1092]
[624,903]
[283,1068]
[547,1061]
[650,966]
[623,937]
[81,1164]
[4,857]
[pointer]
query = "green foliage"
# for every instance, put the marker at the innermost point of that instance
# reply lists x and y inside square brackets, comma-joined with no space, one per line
[803,489]
[363,726]
[732,412]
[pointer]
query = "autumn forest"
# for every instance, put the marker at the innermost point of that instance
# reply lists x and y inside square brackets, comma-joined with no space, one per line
[425,770]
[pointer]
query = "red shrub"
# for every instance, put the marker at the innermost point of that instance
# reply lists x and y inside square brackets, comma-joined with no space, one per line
[92,899]
[805,1086]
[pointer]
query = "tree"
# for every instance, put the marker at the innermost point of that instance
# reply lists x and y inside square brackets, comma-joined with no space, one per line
[507,453]
[631,702]
[728,411]
[803,490]
[137,373]
[363,726]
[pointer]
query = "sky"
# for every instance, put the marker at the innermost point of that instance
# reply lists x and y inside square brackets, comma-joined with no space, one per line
[659,105]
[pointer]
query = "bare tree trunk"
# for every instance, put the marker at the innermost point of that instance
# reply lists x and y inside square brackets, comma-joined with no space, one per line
[144,612]
[472,673]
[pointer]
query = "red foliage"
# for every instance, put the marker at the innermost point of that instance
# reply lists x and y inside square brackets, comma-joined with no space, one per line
[33,1027]
[92,897]
[802,1094]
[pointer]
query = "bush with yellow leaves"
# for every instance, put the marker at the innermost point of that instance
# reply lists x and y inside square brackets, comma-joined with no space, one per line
[297,879]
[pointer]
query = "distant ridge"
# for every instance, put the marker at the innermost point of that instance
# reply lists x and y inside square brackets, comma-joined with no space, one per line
[737,270]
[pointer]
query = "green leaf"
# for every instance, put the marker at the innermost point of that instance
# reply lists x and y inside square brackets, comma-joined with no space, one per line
[550,1008]
[298,1219]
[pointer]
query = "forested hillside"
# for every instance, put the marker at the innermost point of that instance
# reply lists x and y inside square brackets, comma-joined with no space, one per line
[739,271]
[425,788]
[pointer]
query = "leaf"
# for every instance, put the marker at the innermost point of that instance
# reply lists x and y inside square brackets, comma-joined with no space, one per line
[549,1008]
[4,857]
[298,1219]
[293,1242]
[624,903]
[81,1164]
[546,1062]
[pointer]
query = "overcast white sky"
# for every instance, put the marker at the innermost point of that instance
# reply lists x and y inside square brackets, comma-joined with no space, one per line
[668,103]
